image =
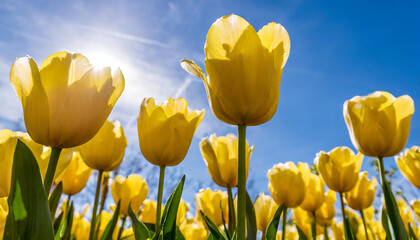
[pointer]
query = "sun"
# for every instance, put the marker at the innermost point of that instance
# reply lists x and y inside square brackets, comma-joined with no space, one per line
[101,59]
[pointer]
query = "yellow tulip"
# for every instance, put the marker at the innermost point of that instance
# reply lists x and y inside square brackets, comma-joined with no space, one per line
[415,204]
[361,196]
[193,231]
[75,176]
[286,184]
[66,101]
[379,123]
[106,150]
[291,233]
[355,221]
[64,160]
[181,215]
[409,164]
[405,213]
[325,214]
[210,203]
[4,210]
[80,226]
[339,168]
[303,220]
[221,157]
[338,231]
[132,189]
[148,212]
[244,69]
[128,234]
[265,208]
[314,196]
[106,217]
[165,131]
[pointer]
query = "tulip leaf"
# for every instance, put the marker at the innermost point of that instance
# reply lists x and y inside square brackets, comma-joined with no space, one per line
[69,223]
[215,231]
[29,215]
[170,212]
[302,235]
[349,230]
[251,220]
[110,227]
[411,232]
[57,222]
[274,224]
[140,230]
[55,199]
[227,233]
[385,223]
[179,235]
[232,215]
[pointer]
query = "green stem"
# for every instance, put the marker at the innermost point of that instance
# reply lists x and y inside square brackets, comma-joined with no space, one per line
[52,166]
[343,212]
[391,205]
[159,201]
[122,227]
[364,223]
[95,205]
[263,235]
[67,207]
[232,215]
[283,233]
[326,237]
[313,227]
[241,182]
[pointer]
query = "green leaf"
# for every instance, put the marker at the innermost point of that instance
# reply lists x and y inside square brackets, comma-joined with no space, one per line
[251,220]
[170,212]
[110,227]
[385,223]
[215,231]
[274,224]
[179,235]
[411,232]
[232,215]
[349,230]
[55,199]
[302,235]
[29,215]
[140,230]
[57,222]
[69,223]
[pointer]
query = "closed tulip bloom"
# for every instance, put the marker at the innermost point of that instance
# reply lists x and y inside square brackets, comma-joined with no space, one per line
[106,150]
[66,101]
[193,231]
[131,189]
[338,231]
[325,214]
[148,212]
[181,215]
[409,164]
[80,227]
[265,208]
[4,210]
[314,196]
[165,131]
[303,220]
[106,217]
[211,202]
[221,157]
[250,63]
[64,160]
[405,213]
[286,184]
[291,233]
[415,204]
[339,168]
[361,196]
[379,123]
[75,176]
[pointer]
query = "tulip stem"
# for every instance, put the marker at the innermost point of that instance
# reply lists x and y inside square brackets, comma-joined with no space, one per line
[283,233]
[343,212]
[52,166]
[364,223]
[159,201]
[232,215]
[241,182]
[326,233]
[122,227]
[313,227]
[95,205]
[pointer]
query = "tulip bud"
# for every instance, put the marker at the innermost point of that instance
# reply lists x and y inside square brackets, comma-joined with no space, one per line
[325,214]
[405,213]
[415,204]
[338,231]
[361,196]
[106,150]
[193,231]
[379,123]
[132,189]
[66,101]
[181,215]
[291,233]
[265,208]
[221,157]
[166,131]
[314,196]
[211,202]
[76,175]
[4,209]
[286,184]
[250,63]
[148,212]
[339,168]
[303,220]
[105,218]
[409,164]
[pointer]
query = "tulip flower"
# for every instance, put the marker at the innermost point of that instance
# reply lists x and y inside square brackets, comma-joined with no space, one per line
[409,164]
[221,157]
[291,233]
[379,123]
[148,212]
[415,204]
[4,210]
[65,102]
[244,71]
[211,202]
[314,196]
[265,208]
[325,214]
[132,189]
[105,218]
[76,175]
[303,220]
[405,213]
[338,231]
[363,192]
[193,231]
[181,215]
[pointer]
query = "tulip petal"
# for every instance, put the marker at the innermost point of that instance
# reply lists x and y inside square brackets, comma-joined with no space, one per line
[275,38]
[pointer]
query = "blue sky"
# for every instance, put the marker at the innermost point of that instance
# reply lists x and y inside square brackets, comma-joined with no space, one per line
[338,50]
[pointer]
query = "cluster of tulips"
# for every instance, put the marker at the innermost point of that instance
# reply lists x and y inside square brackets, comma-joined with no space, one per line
[66,103]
